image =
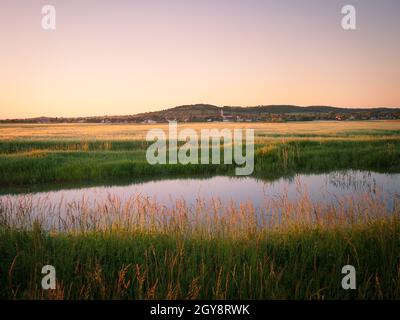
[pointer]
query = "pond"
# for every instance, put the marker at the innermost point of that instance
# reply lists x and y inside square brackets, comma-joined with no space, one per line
[324,188]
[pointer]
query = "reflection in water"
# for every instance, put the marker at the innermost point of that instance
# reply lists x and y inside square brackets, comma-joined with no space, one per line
[229,191]
[355,181]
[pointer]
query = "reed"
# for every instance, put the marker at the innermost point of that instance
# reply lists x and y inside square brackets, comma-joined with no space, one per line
[139,249]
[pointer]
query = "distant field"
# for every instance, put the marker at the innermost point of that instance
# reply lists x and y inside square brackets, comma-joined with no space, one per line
[148,253]
[315,129]
[65,153]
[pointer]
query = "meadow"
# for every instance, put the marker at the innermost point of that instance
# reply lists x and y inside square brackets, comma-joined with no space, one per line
[38,154]
[144,251]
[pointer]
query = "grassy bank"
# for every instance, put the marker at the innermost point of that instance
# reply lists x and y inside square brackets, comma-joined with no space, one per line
[34,162]
[140,250]
[295,265]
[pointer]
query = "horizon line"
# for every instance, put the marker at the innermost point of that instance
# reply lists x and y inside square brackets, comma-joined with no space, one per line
[203,104]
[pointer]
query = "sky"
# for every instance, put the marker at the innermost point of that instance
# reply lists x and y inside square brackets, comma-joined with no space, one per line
[125,57]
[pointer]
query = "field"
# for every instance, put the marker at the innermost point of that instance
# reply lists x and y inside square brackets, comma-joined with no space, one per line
[89,132]
[142,251]
[37,154]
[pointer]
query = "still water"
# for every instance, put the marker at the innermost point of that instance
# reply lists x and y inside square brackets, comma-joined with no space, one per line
[321,188]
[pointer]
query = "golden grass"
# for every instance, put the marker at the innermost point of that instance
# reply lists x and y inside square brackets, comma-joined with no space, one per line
[207,218]
[138,131]
[141,250]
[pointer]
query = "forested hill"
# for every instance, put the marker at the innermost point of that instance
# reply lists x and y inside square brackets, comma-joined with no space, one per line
[208,112]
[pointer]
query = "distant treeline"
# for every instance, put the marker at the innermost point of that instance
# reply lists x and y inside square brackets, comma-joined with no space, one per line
[209,113]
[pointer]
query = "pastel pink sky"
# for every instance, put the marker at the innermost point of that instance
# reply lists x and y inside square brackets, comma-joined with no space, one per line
[126,57]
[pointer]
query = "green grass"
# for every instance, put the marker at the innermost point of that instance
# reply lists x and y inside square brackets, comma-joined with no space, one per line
[315,156]
[237,261]
[24,163]
[303,264]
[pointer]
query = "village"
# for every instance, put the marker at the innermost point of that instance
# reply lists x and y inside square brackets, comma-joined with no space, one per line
[211,113]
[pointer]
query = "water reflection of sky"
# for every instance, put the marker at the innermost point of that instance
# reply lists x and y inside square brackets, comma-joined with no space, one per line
[322,188]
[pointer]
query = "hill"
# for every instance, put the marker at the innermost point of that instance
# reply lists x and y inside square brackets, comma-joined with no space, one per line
[208,112]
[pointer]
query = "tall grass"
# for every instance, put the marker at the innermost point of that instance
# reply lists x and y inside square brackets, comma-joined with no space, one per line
[141,250]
